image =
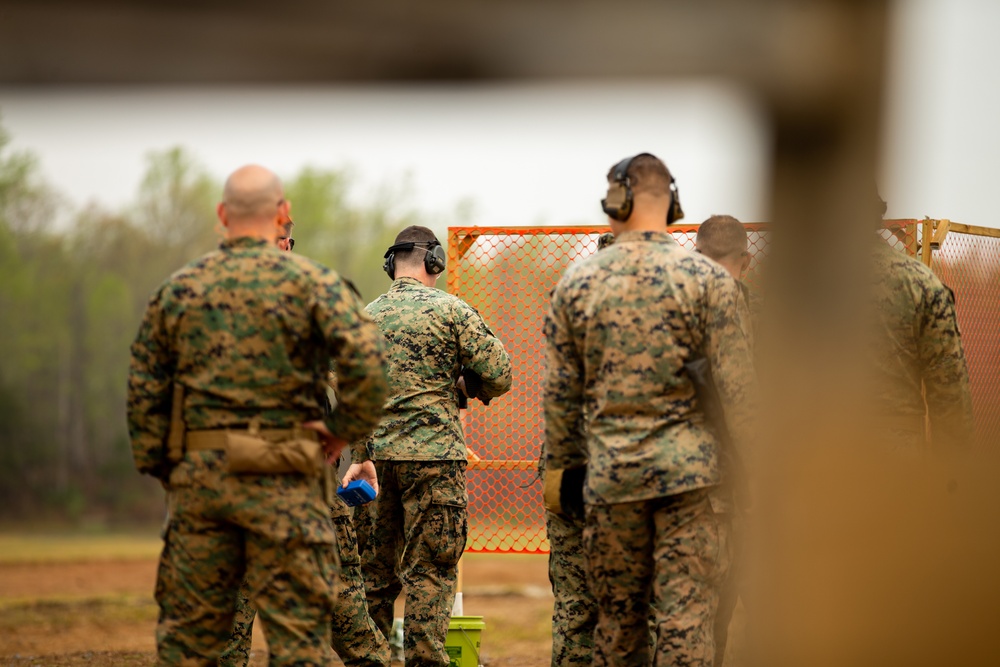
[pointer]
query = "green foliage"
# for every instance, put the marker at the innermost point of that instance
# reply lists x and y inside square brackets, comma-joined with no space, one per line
[347,237]
[75,298]
[72,297]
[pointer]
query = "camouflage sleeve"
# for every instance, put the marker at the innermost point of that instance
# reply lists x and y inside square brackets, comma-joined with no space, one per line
[481,351]
[727,348]
[151,371]
[564,446]
[357,351]
[944,371]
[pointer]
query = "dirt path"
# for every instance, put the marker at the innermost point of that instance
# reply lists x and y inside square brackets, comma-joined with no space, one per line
[102,613]
[485,573]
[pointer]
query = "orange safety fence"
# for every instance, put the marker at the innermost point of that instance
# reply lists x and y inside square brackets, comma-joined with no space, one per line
[507,274]
[967,259]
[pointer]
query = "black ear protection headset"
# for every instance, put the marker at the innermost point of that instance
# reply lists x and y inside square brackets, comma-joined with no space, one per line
[618,203]
[434,257]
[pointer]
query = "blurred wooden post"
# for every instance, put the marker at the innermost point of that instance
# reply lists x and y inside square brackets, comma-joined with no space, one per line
[927,231]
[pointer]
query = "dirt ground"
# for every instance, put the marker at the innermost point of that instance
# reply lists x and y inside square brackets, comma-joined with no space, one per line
[103,613]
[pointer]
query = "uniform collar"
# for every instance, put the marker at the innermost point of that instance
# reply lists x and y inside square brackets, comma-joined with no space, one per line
[243,242]
[404,282]
[648,237]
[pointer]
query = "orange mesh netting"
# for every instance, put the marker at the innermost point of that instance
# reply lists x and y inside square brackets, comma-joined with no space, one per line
[507,274]
[968,261]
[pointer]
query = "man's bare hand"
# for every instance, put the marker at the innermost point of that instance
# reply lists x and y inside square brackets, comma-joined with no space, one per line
[365,471]
[332,445]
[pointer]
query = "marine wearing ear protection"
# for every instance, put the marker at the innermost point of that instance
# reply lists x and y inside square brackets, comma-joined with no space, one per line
[434,257]
[618,203]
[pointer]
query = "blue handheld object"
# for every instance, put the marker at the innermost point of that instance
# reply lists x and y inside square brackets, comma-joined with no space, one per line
[356,493]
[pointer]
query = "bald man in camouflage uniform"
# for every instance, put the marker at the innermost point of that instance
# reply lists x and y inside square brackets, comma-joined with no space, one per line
[235,348]
[355,639]
[420,516]
[620,327]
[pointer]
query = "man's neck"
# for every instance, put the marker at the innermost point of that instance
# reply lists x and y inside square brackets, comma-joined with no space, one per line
[426,279]
[262,231]
[733,269]
[642,224]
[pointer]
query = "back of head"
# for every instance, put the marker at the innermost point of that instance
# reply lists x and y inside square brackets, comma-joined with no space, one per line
[422,238]
[251,194]
[642,179]
[646,174]
[721,237]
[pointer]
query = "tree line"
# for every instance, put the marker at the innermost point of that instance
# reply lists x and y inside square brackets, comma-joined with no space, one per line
[72,296]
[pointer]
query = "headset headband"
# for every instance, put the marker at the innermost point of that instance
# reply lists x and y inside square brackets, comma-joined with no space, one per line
[410,245]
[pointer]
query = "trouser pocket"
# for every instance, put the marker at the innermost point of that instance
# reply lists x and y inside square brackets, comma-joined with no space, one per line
[447,524]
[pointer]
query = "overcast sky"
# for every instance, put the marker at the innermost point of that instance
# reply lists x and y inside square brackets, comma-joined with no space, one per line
[537,154]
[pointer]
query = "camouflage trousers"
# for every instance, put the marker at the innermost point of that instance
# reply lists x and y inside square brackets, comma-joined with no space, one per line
[354,636]
[419,533]
[574,612]
[730,536]
[274,532]
[657,558]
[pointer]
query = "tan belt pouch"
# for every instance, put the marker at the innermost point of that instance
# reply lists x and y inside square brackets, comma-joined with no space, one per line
[264,452]
[552,491]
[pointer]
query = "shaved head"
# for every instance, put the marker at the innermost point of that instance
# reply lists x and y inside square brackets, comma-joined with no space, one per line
[721,237]
[646,173]
[252,192]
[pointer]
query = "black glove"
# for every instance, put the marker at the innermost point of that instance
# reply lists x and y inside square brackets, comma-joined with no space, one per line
[473,388]
[571,492]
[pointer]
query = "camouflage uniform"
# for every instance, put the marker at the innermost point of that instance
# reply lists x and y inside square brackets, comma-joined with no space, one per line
[727,502]
[420,522]
[355,638]
[243,330]
[237,651]
[574,609]
[620,327]
[918,361]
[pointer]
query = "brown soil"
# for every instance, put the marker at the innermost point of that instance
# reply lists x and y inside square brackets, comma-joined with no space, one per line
[102,613]
[71,580]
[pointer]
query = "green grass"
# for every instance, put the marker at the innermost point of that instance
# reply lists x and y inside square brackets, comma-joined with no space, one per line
[60,548]
[66,613]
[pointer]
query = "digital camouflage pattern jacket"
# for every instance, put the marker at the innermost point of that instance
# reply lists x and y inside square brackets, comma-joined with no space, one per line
[249,331]
[620,326]
[918,351]
[430,335]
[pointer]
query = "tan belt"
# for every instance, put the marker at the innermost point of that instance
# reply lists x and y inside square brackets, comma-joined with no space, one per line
[197,441]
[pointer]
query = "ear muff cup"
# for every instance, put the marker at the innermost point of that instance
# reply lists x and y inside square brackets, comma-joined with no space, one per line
[435,260]
[389,265]
[675,212]
[618,203]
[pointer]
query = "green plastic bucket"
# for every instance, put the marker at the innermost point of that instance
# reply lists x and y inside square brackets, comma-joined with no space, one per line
[462,644]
